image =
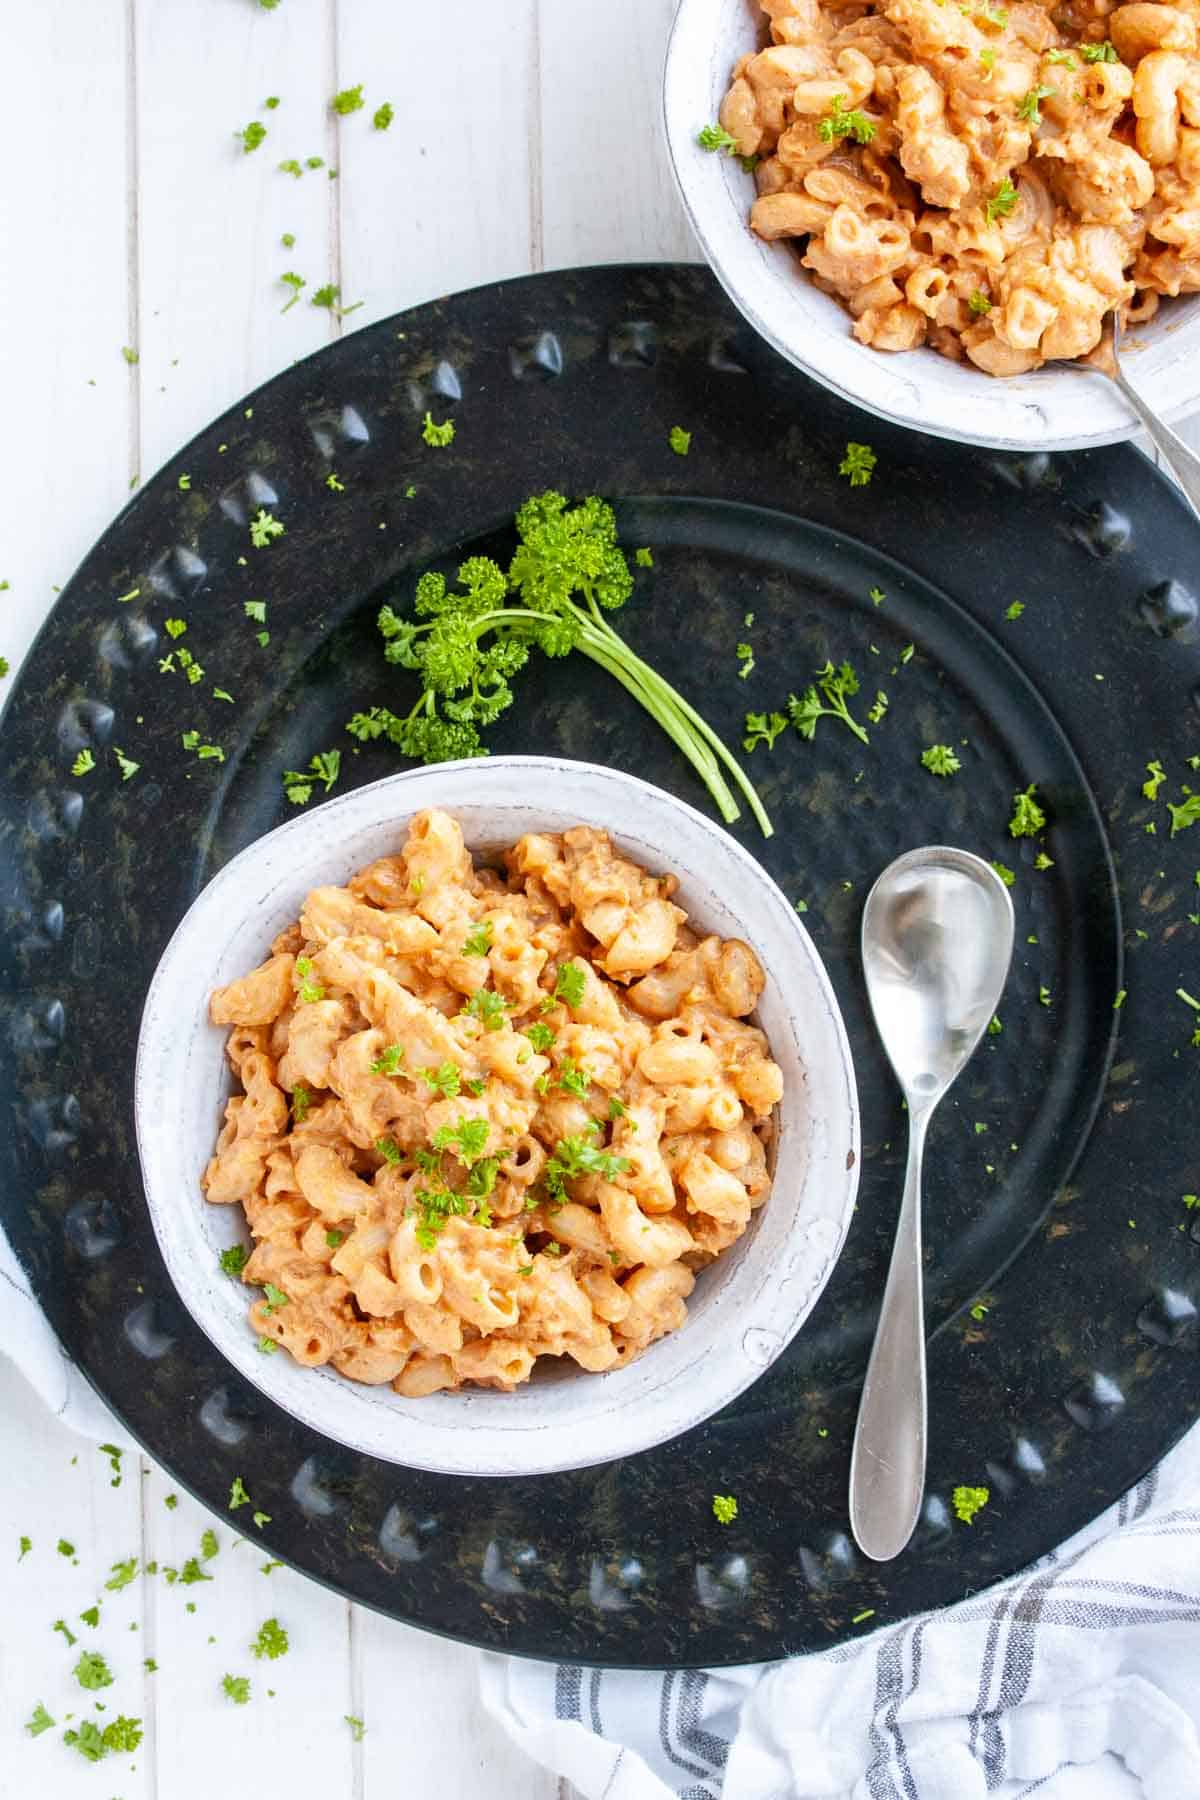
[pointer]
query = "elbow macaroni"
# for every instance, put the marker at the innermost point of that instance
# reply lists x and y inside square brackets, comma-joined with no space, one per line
[485,1121]
[986,179]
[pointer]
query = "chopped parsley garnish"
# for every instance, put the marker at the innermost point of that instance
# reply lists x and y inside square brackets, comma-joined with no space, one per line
[91,1671]
[878,708]
[680,440]
[65,1548]
[437,436]
[251,136]
[644,558]
[468,1138]
[838,123]
[580,1156]
[61,1626]
[1007,875]
[349,100]
[383,116]
[725,1508]
[1014,611]
[570,985]
[573,1080]
[1122,996]
[389,1060]
[1028,817]
[114,1455]
[333,484]
[1099,53]
[979,303]
[122,1574]
[88,1740]
[335,1239]
[1156,775]
[858,464]
[967,1502]
[762,728]
[130,354]
[209,1545]
[271,1641]
[263,527]
[617,1108]
[328,296]
[477,1084]
[1030,108]
[1185,815]
[268,1346]
[1044,997]
[24,1546]
[288,240]
[237,1494]
[488,1007]
[746,660]
[478,940]
[237,1687]
[357,1728]
[91,1616]
[295,282]
[940,759]
[84,763]
[1061,56]
[275,1298]
[1042,861]
[39,1721]
[827,698]
[715,137]
[539,1035]
[256,610]
[298,784]
[1001,203]
[301,1101]
[389,1149]
[444,1080]
[126,764]
[291,167]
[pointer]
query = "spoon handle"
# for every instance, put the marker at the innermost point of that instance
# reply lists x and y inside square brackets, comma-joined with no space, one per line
[887,1468]
[1182,461]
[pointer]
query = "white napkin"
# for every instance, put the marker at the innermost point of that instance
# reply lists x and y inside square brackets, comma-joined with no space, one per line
[26,1336]
[1076,1680]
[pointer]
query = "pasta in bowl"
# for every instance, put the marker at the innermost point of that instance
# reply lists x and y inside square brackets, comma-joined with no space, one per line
[963,190]
[507,1088]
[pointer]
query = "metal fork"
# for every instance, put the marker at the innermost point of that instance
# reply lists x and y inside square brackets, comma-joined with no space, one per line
[1183,462]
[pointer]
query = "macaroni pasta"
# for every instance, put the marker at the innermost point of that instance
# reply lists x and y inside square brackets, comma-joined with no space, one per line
[987,179]
[486,1117]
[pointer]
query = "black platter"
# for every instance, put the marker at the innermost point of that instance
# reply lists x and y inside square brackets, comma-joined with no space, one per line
[1056,1171]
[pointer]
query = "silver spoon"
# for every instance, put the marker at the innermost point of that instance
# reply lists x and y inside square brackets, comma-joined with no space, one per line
[937,937]
[1180,459]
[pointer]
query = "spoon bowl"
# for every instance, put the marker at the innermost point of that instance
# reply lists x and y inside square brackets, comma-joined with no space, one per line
[937,939]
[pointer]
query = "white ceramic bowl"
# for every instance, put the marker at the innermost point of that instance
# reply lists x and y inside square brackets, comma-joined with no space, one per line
[1053,408]
[744,1309]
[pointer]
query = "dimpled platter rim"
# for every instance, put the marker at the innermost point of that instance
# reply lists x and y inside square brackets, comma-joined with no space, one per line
[1083,1369]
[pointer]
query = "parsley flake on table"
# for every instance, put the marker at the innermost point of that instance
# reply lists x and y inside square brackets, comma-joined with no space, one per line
[858,464]
[88,1740]
[570,984]
[91,1616]
[1028,817]
[826,699]
[1185,815]
[1042,861]
[967,1501]
[64,1548]
[437,435]
[209,1545]
[130,354]
[349,100]
[1007,875]
[1155,776]
[126,764]
[237,1687]
[327,297]
[237,1494]
[294,282]
[298,784]
[644,558]
[122,1574]
[1001,203]
[877,711]
[357,1728]
[1015,610]
[256,610]
[940,759]
[291,167]
[263,527]
[838,123]
[84,763]
[383,116]
[251,136]
[725,1508]
[91,1671]
[64,1630]
[680,440]
[114,1455]
[1044,996]
[762,728]
[24,1546]
[271,1641]
[39,1721]
[261,1518]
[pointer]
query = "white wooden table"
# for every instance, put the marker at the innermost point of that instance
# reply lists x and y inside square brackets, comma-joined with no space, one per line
[526,136]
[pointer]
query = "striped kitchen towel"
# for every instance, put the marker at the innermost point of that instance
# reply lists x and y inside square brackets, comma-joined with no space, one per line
[1078,1679]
